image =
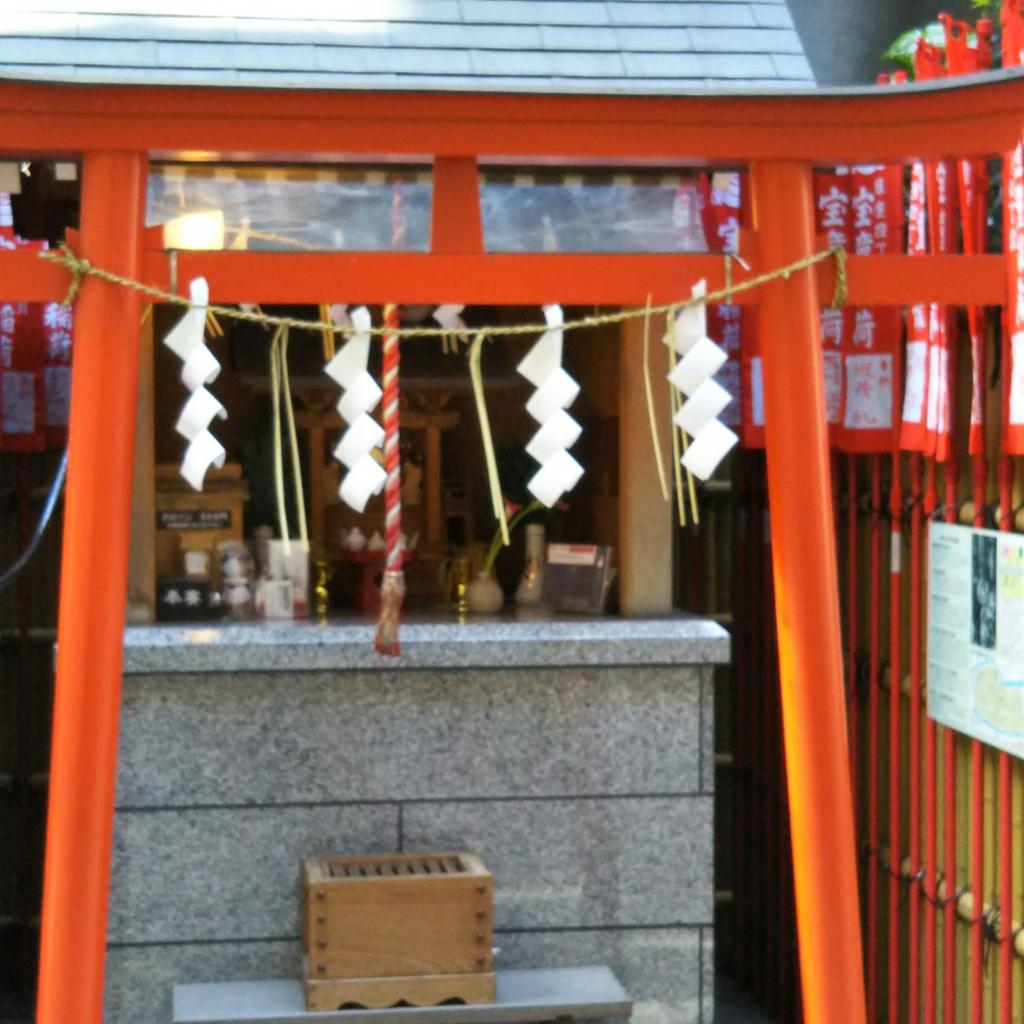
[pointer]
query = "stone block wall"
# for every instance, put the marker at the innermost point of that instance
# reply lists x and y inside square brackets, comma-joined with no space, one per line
[588,791]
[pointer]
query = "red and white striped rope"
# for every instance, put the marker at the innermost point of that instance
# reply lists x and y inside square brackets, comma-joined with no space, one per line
[392,458]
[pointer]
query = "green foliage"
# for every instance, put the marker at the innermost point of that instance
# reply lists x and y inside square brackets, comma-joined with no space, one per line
[901,51]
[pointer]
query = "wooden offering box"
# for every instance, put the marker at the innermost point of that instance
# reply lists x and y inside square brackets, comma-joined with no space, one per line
[397,928]
[197,519]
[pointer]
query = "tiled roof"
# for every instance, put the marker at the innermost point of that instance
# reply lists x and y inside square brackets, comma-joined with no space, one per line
[550,46]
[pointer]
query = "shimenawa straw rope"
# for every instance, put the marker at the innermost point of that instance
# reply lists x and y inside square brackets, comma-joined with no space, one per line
[81,268]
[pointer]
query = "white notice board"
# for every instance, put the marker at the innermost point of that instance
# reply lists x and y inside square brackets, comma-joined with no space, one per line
[976,633]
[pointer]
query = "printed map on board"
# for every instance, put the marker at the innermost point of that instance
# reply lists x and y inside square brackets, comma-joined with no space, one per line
[976,633]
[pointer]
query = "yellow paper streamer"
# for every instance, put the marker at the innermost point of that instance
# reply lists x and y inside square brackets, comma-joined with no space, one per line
[677,467]
[293,437]
[275,398]
[494,482]
[649,388]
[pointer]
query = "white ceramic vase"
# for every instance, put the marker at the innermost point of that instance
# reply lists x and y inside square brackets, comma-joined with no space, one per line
[484,595]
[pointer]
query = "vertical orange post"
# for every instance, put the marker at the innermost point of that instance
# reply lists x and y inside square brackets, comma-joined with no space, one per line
[94,565]
[807,603]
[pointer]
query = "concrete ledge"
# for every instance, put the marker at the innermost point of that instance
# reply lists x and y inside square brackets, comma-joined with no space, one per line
[439,643]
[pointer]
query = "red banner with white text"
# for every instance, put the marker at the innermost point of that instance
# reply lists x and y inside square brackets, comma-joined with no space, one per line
[35,362]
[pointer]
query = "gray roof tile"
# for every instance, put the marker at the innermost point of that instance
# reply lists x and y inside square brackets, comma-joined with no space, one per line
[33,50]
[743,40]
[482,45]
[422,61]
[772,16]
[579,37]
[527,12]
[737,65]
[791,65]
[639,12]
[461,36]
[653,40]
[160,28]
[663,65]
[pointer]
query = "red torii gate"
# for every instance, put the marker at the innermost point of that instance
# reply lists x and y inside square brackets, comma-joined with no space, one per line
[116,130]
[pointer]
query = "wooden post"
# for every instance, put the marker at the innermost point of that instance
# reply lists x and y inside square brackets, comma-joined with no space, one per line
[97,521]
[432,531]
[142,554]
[807,603]
[455,224]
[317,497]
[645,518]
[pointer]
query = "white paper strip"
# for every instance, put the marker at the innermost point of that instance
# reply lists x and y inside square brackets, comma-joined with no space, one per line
[187,333]
[692,375]
[352,358]
[203,451]
[556,391]
[691,323]
[704,405]
[546,355]
[200,367]
[365,479]
[362,436]
[559,432]
[450,318]
[559,474]
[198,413]
[708,449]
[348,368]
[703,360]
[559,391]
[360,398]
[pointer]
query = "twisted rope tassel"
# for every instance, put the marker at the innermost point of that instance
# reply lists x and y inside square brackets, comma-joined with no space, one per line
[392,590]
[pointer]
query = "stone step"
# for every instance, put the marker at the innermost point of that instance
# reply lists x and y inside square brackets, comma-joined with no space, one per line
[564,993]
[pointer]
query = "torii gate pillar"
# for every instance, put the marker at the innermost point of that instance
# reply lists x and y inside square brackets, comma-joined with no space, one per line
[807,602]
[94,566]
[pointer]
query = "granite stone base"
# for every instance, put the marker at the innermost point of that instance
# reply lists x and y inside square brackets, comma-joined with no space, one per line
[586,788]
[660,968]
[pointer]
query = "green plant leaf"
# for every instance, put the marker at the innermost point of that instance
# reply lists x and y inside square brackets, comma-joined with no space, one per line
[901,50]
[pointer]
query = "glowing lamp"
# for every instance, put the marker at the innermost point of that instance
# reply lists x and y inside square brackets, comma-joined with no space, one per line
[201,230]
